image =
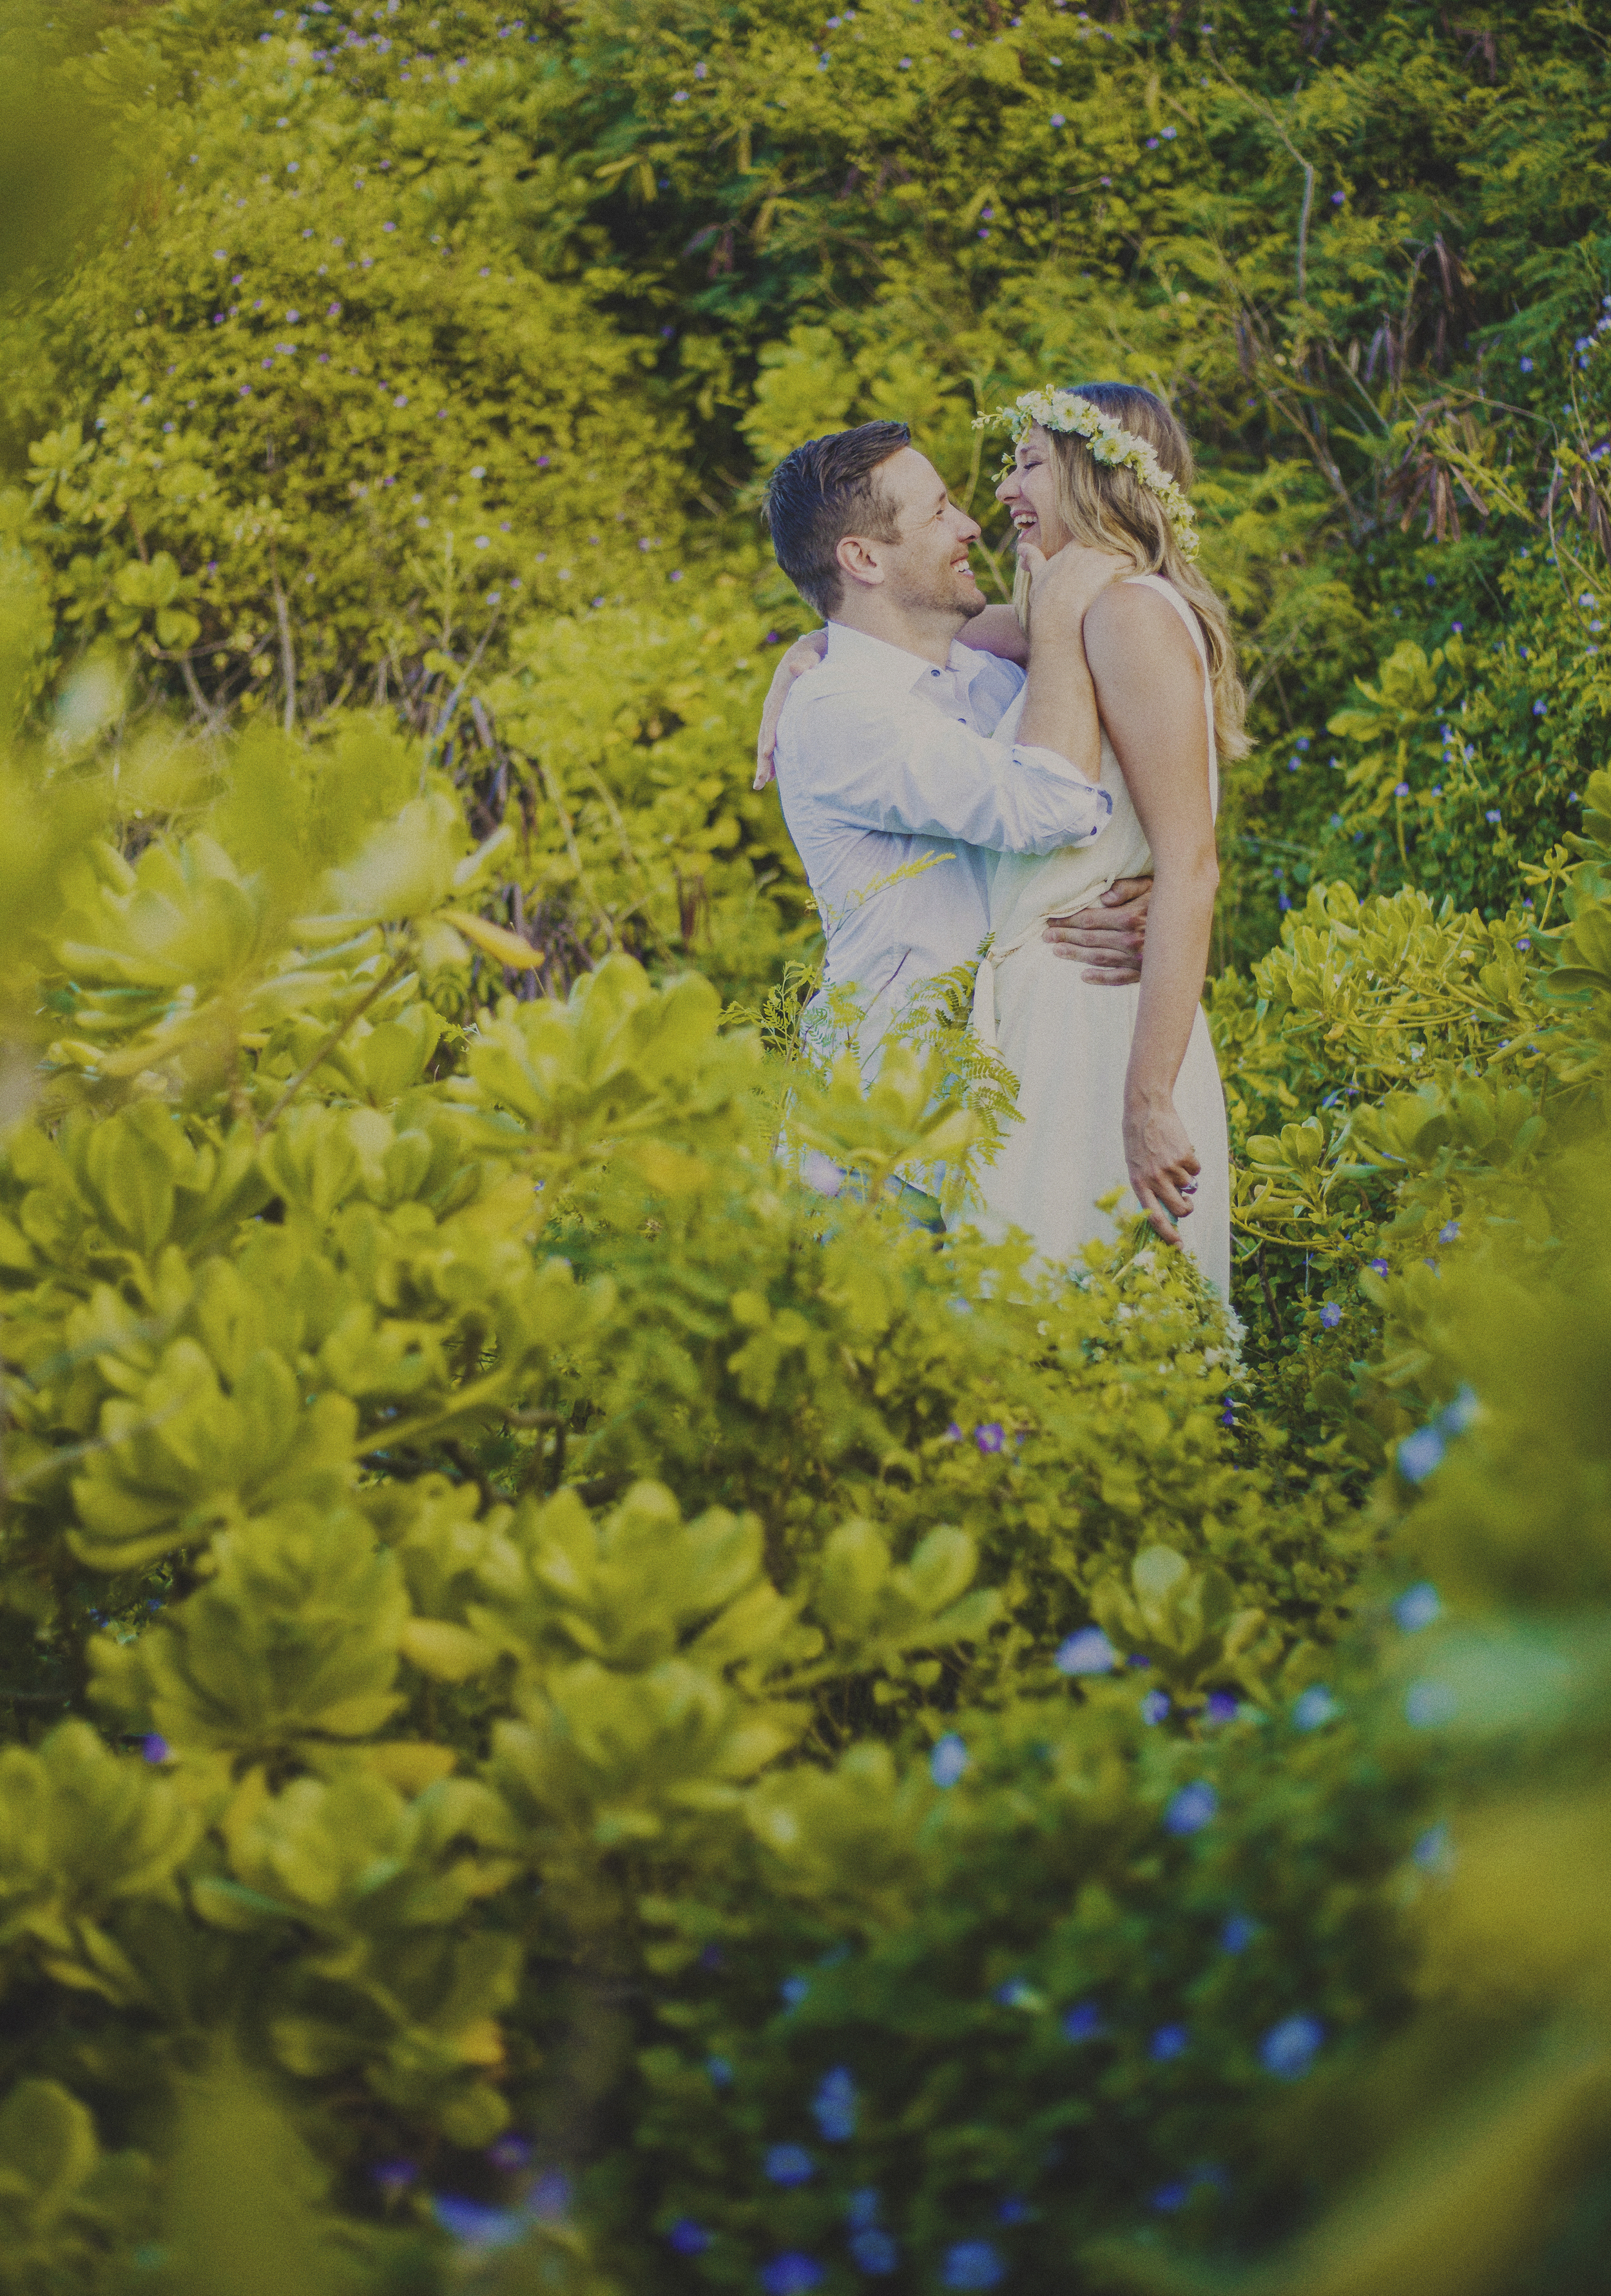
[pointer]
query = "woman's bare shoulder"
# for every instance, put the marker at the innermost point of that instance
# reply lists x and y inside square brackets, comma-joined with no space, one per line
[1129,626]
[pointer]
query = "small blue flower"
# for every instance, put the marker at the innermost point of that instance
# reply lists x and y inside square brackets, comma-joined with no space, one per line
[1089,1651]
[549,2197]
[1448,1232]
[1169,2042]
[1155,1705]
[1238,1934]
[1331,1315]
[394,2176]
[791,2274]
[718,2071]
[1379,1267]
[863,2208]
[1014,2210]
[835,2106]
[874,2252]
[788,2165]
[971,2264]
[1315,1706]
[1526,367]
[990,1438]
[954,1433]
[1457,1416]
[1191,1809]
[154,1749]
[1427,1705]
[1433,1853]
[1083,2022]
[1401,790]
[1168,2198]
[1288,2049]
[1493,813]
[1057,120]
[1419,1606]
[1222,1706]
[1420,1454]
[475,2226]
[793,1991]
[949,1760]
[686,2238]
[1018,1993]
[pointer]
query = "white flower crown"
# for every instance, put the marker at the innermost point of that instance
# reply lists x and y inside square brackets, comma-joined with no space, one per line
[1109,441]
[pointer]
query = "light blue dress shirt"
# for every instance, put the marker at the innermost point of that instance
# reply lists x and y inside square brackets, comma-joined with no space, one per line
[884,762]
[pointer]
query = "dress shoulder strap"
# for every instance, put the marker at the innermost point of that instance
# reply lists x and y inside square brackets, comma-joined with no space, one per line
[1166,589]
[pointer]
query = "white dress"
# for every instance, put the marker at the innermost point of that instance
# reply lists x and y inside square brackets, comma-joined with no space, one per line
[1068,1041]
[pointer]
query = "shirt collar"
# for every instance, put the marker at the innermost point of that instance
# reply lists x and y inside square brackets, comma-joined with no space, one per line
[860,658]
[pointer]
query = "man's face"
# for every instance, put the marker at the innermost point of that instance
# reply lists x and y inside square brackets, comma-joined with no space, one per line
[926,568]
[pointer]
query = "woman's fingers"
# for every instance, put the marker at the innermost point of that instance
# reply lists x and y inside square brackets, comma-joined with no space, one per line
[804,654]
[1161,1223]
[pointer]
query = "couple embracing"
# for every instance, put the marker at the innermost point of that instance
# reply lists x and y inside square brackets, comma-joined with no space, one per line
[1057,773]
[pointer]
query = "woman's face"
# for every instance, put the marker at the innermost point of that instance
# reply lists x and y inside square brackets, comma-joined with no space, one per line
[1029,491]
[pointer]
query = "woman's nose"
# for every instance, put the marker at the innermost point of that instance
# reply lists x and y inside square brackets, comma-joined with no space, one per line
[1008,487]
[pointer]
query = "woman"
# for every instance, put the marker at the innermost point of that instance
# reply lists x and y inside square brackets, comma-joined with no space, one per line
[1117,1086]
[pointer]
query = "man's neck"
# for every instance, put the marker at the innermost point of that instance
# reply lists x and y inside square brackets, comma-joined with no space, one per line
[928,636]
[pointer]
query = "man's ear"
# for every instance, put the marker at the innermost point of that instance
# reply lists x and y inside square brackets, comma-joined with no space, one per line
[858,559]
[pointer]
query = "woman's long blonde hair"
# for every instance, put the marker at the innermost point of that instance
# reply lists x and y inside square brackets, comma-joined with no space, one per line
[1106,507]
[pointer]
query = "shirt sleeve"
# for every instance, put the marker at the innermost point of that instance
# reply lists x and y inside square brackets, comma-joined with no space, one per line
[908,771]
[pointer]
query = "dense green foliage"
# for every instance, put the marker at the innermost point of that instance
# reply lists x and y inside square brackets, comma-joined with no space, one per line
[574,1718]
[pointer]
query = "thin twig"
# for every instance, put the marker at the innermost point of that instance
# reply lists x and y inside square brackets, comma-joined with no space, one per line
[392,973]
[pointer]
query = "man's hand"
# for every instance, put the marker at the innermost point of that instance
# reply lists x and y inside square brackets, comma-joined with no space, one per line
[1108,940]
[804,654]
[1061,587]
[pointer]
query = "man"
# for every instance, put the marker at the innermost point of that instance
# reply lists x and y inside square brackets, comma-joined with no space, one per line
[893,792]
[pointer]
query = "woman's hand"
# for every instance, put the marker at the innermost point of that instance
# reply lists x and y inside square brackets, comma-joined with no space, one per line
[804,654]
[1062,587]
[1162,1162]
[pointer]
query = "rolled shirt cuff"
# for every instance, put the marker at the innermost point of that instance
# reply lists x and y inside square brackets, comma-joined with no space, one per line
[1050,761]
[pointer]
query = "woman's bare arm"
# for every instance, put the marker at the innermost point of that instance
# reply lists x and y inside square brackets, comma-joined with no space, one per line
[1149,690]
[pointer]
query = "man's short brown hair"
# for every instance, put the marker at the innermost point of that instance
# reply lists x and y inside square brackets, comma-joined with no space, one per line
[822,492]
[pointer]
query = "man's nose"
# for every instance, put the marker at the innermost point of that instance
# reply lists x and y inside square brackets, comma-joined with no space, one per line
[968,529]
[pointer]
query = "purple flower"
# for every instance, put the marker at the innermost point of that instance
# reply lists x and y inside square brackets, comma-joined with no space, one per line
[1169,2042]
[1380,1267]
[1222,1706]
[1083,2022]
[1191,1809]
[1170,2197]
[1237,1935]
[1331,1315]
[155,1749]
[1418,1607]
[509,2154]
[835,2106]
[1089,1651]
[1401,790]
[1448,1232]
[990,1439]
[1493,815]
[873,2252]
[1155,1705]
[686,2238]
[788,2165]
[394,2176]
[1013,2211]
[948,1760]
[1056,121]
[791,2274]
[971,2264]
[1288,2049]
